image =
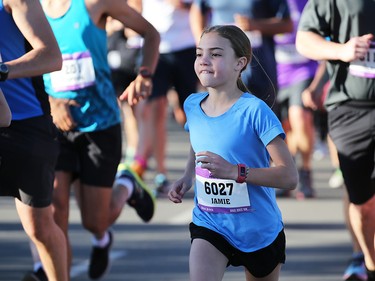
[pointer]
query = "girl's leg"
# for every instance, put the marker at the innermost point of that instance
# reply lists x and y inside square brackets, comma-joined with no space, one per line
[206,263]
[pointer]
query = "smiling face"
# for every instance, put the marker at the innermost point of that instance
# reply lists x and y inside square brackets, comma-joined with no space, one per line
[216,64]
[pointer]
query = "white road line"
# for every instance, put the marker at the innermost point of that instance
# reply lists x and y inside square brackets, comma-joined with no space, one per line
[81,268]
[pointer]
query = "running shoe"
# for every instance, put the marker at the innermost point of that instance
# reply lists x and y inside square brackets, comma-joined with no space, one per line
[142,198]
[336,180]
[356,270]
[305,189]
[38,275]
[99,260]
[161,185]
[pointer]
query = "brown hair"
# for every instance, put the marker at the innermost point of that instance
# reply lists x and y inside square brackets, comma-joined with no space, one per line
[239,42]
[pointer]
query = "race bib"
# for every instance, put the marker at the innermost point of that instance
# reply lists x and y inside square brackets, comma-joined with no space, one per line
[364,67]
[77,72]
[287,53]
[221,195]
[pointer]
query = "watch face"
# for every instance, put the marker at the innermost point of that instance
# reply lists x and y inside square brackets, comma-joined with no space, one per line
[243,171]
[145,73]
[3,68]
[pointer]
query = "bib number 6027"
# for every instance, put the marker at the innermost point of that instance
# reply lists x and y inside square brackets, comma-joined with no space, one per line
[218,188]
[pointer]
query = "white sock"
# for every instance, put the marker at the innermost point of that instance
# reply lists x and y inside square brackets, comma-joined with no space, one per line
[102,242]
[126,183]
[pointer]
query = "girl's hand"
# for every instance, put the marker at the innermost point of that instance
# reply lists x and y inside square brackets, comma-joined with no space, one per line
[217,165]
[178,189]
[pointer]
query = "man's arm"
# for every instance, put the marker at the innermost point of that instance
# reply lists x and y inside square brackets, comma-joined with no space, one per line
[198,21]
[45,55]
[267,27]
[314,46]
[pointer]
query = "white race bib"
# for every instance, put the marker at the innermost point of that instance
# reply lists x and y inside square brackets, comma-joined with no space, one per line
[364,67]
[77,72]
[221,195]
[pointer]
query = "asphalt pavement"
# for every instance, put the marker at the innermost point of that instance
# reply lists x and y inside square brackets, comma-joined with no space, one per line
[318,244]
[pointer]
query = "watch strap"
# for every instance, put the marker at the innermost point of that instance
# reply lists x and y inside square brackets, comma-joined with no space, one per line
[3,72]
[145,72]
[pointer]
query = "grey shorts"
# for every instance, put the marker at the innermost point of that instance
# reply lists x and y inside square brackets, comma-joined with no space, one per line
[291,96]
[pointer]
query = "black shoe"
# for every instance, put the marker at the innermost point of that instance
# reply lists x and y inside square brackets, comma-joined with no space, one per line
[305,189]
[370,275]
[99,260]
[142,199]
[38,275]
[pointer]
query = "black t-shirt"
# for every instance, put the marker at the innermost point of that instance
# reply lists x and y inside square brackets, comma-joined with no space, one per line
[338,21]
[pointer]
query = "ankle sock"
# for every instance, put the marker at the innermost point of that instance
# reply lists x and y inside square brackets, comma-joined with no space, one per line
[101,243]
[126,183]
[129,155]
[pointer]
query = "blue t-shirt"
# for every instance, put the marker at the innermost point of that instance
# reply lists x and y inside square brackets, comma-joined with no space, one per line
[26,96]
[85,76]
[223,11]
[240,135]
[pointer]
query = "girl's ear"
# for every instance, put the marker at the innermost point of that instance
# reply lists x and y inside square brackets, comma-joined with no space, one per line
[241,63]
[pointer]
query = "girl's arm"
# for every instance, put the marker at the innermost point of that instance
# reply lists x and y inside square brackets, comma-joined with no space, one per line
[282,174]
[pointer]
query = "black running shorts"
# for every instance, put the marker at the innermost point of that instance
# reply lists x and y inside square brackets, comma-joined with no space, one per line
[259,263]
[92,157]
[28,153]
[352,129]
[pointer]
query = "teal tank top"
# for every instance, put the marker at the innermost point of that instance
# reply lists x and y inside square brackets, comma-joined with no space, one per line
[85,76]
